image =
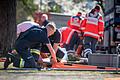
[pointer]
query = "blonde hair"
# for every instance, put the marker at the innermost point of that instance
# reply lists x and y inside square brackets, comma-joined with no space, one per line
[51,25]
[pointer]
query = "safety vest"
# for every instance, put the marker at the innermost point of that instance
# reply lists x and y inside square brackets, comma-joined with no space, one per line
[66,33]
[93,26]
[75,23]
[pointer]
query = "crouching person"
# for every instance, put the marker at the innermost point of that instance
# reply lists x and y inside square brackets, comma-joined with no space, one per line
[71,42]
[15,58]
[30,38]
[55,42]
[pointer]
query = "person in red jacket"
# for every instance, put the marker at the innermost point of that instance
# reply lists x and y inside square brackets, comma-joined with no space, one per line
[75,22]
[93,28]
[70,39]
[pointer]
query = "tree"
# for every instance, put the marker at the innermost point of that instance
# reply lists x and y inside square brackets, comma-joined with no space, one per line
[78,1]
[25,8]
[7,24]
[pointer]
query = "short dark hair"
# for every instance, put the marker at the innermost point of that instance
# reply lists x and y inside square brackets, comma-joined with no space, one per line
[97,7]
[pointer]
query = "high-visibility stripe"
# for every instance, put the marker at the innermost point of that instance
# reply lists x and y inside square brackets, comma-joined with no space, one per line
[82,28]
[22,62]
[70,35]
[87,52]
[60,35]
[101,21]
[65,33]
[35,51]
[101,32]
[75,24]
[93,34]
[90,21]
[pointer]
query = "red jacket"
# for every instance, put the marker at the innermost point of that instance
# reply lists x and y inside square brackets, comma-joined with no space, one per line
[75,23]
[93,26]
[66,34]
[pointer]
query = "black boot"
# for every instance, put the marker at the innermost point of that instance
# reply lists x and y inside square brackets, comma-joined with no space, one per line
[9,60]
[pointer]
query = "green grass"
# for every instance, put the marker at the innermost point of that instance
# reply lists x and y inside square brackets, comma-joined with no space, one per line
[53,75]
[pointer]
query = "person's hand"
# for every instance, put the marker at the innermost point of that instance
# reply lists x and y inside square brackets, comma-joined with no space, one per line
[42,64]
[40,61]
[100,39]
[14,51]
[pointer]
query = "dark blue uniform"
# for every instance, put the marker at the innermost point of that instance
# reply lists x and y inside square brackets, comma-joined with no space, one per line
[29,39]
[45,23]
[55,38]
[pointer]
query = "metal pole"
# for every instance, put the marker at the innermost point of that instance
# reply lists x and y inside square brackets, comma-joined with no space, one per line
[117,62]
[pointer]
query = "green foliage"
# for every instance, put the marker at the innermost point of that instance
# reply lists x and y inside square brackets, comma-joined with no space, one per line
[56,8]
[78,1]
[29,6]
[25,8]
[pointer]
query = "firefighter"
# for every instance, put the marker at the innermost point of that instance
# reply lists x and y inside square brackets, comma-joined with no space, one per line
[55,42]
[54,39]
[93,28]
[28,40]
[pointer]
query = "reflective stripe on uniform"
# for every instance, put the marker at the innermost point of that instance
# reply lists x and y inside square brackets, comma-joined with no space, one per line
[101,32]
[91,20]
[87,52]
[69,36]
[101,21]
[93,34]
[75,24]
[35,51]
[82,28]
[22,62]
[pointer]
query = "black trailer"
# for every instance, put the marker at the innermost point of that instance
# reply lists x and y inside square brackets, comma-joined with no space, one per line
[112,24]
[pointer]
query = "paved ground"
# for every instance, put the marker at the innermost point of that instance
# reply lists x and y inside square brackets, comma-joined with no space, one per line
[56,75]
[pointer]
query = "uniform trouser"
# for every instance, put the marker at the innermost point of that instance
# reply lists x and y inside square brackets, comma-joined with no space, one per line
[22,47]
[72,42]
[19,62]
[90,43]
[60,54]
